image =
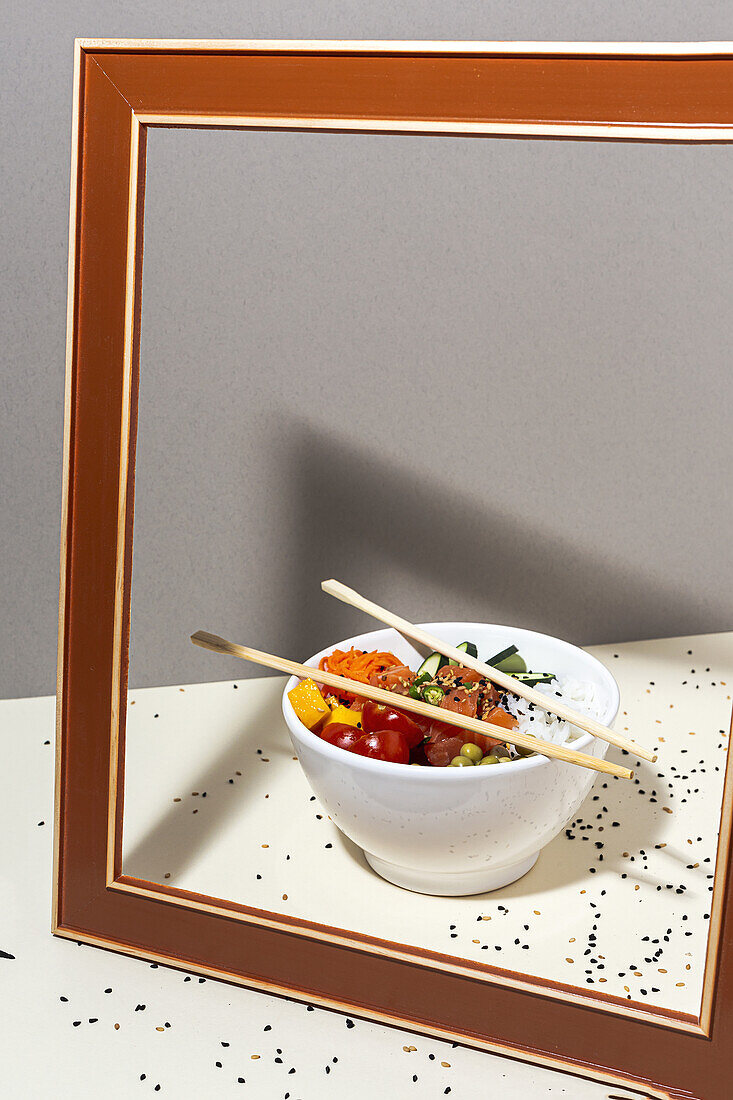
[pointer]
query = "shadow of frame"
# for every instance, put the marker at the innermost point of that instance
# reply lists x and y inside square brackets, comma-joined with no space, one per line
[475,561]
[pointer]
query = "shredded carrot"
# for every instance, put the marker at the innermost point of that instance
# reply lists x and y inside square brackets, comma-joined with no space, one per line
[357,664]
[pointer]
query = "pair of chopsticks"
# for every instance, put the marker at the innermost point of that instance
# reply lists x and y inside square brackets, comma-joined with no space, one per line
[379,695]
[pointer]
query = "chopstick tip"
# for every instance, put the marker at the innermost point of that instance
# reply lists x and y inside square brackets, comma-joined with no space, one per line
[645,754]
[208,641]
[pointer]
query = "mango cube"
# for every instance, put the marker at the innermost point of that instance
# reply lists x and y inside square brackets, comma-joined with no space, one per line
[308,703]
[343,714]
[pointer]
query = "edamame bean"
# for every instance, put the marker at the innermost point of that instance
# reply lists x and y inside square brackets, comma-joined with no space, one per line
[524,751]
[461,762]
[473,752]
[490,759]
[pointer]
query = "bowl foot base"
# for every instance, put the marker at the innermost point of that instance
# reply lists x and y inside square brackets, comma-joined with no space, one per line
[451,883]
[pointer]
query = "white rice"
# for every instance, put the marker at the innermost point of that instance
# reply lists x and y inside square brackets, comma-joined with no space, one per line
[585,697]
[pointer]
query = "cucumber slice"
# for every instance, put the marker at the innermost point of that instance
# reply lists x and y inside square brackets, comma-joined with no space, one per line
[502,655]
[531,679]
[466,647]
[508,660]
[512,664]
[431,665]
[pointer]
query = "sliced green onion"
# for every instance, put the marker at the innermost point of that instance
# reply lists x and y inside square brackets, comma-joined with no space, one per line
[414,690]
[433,694]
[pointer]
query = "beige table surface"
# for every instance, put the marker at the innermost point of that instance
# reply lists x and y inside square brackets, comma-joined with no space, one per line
[60,1002]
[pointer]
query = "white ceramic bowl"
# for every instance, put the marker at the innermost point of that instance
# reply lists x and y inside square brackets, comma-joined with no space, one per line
[454,831]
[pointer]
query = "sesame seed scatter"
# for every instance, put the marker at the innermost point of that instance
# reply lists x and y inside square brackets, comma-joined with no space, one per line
[73,1030]
[641,852]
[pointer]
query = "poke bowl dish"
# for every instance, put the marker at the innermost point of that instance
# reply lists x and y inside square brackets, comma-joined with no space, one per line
[434,807]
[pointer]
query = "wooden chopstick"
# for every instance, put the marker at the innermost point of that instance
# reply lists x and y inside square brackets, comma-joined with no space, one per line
[582,721]
[405,702]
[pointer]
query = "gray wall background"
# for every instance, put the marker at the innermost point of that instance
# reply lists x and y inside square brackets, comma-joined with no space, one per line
[577,296]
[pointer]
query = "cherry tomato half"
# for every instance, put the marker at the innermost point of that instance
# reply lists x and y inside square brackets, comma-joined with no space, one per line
[384,745]
[376,717]
[343,735]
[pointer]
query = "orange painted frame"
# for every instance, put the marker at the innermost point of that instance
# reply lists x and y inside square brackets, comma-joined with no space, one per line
[603,92]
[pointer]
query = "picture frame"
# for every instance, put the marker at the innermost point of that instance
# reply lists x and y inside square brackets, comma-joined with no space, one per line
[617,92]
